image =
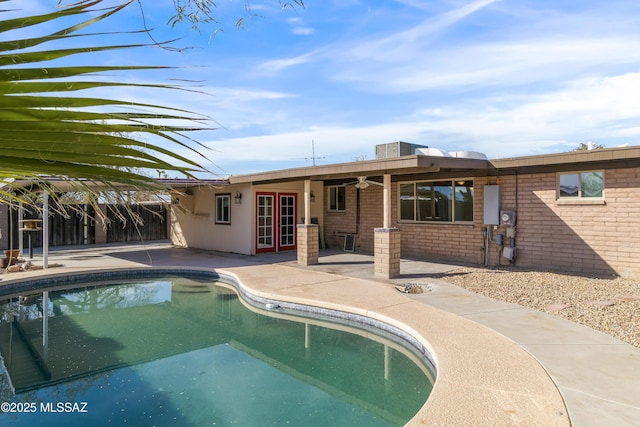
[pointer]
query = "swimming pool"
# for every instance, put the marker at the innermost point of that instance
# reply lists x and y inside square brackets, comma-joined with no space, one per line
[178,349]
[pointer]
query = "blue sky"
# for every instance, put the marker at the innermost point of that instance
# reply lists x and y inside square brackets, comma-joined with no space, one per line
[503,77]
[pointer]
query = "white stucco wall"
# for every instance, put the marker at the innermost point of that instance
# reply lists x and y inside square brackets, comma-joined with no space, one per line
[193,220]
[196,227]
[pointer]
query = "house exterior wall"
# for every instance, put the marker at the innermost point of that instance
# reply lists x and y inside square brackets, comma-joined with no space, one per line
[454,242]
[338,224]
[599,238]
[460,242]
[587,238]
[194,225]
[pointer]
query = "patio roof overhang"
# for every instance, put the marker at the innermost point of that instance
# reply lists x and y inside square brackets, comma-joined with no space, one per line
[405,166]
[416,166]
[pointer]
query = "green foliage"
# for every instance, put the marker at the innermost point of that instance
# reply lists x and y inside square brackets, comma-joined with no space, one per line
[585,146]
[199,12]
[51,131]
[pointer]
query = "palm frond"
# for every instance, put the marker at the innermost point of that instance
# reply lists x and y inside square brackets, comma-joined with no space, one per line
[50,129]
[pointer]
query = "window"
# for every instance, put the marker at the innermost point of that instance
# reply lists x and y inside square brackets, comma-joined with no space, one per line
[581,185]
[223,208]
[337,199]
[439,201]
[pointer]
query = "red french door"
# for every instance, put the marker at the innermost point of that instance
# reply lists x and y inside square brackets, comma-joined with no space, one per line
[275,221]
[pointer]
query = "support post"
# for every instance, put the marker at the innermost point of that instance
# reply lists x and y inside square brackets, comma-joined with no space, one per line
[308,247]
[45,230]
[20,231]
[386,194]
[307,201]
[386,252]
[386,239]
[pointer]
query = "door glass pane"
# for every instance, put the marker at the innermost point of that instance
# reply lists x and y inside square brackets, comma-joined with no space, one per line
[265,222]
[287,221]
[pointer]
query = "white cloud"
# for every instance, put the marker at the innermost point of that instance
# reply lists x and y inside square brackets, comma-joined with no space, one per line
[411,66]
[277,65]
[586,109]
[302,31]
[504,78]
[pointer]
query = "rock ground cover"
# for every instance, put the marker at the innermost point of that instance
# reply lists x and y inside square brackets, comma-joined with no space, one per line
[607,304]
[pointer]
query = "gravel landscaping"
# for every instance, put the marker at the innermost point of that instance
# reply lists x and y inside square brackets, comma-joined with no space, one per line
[607,304]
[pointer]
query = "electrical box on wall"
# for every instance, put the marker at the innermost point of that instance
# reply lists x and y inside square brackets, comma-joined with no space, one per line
[492,204]
[508,218]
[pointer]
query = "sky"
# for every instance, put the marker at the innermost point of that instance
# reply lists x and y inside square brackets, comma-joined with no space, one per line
[506,78]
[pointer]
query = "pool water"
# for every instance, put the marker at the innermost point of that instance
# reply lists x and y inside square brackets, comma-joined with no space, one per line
[184,351]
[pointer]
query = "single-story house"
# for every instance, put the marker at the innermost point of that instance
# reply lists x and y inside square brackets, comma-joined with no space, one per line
[577,211]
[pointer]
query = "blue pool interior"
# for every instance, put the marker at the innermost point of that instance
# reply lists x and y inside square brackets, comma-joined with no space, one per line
[186,351]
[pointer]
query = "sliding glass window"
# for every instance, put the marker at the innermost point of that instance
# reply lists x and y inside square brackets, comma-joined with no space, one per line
[437,201]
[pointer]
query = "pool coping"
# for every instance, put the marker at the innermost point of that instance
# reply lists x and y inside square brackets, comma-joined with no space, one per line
[483,378]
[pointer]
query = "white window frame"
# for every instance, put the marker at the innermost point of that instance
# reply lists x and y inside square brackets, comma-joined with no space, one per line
[221,218]
[579,198]
[337,207]
[453,183]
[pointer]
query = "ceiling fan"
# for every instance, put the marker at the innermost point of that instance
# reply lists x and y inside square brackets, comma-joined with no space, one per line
[363,182]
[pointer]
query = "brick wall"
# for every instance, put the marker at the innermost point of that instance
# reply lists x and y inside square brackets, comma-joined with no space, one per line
[444,242]
[593,238]
[337,224]
[421,241]
[598,238]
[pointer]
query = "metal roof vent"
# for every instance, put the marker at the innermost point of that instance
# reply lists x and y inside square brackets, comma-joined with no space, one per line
[469,155]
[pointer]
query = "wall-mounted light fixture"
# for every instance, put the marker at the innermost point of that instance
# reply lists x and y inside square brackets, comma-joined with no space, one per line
[312,197]
[238,197]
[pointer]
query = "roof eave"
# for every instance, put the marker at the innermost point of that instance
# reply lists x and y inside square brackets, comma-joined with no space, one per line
[404,165]
[610,157]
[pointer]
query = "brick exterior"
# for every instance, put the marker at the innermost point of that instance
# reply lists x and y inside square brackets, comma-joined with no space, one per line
[588,238]
[308,247]
[419,241]
[337,224]
[599,239]
[387,252]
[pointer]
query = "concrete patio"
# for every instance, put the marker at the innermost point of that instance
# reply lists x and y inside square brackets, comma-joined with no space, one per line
[498,363]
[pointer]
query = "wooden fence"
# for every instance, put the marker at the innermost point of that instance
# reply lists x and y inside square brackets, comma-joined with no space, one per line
[76,228]
[152,223]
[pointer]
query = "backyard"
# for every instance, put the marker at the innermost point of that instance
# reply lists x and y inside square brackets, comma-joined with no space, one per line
[607,304]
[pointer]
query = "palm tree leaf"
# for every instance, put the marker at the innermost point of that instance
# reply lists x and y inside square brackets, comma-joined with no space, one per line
[47,134]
